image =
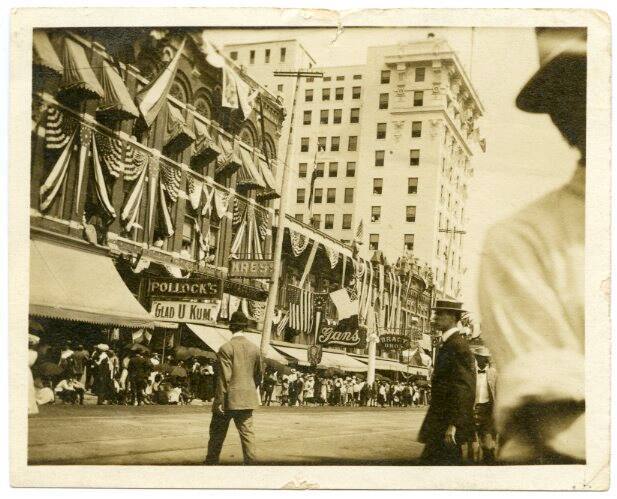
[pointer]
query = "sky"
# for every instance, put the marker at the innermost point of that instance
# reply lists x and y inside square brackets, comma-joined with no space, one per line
[525,156]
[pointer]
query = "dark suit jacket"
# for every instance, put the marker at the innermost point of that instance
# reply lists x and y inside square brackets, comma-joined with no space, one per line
[138,368]
[239,375]
[453,392]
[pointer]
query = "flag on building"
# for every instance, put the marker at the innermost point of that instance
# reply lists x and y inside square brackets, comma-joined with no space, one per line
[359,232]
[300,309]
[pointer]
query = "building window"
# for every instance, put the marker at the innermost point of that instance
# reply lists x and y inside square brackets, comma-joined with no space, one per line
[279,87]
[373,242]
[252,57]
[377,186]
[346,222]
[414,157]
[333,169]
[319,167]
[408,241]
[412,185]
[375,213]
[340,78]
[307,117]
[329,222]
[300,194]
[299,217]
[420,74]
[352,145]
[383,101]
[416,129]
[233,55]
[354,116]
[316,221]
[337,116]
[325,93]
[339,93]
[267,56]
[308,95]
[418,99]
[349,194]
[283,54]
[331,196]
[335,142]
[321,144]
[302,170]
[327,78]
[355,92]
[385,76]
[323,116]
[410,214]
[357,77]
[318,195]
[381,130]
[309,79]
[304,144]
[379,158]
[188,236]
[351,169]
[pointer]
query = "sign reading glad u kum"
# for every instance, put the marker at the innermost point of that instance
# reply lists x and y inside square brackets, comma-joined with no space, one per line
[185,311]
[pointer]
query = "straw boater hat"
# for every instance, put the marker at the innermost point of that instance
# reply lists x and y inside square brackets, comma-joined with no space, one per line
[449,305]
[480,351]
[102,347]
[562,54]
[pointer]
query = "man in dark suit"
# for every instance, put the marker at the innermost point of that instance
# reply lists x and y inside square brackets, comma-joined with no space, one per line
[449,421]
[236,396]
[138,377]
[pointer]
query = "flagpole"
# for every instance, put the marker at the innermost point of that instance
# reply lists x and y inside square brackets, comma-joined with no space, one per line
[280,233]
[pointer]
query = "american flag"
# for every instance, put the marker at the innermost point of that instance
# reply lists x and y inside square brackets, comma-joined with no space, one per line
[359,232]
[300,309]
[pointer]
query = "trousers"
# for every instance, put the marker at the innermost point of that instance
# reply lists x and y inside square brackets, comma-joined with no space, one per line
[218,431]
[438,453]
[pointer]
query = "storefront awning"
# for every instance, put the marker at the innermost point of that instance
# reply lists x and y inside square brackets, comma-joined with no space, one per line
[387,365]
[78,74]
[228,160]
[343,361]
[70,284]
[214,337]
[117,102]
[44,53]
[249,176]
[271,353]
[271,191]
[299,354]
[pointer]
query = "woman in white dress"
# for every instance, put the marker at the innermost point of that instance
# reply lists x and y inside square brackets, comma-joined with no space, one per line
[33,408]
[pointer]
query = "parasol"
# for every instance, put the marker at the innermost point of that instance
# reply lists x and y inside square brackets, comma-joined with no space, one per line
[179,372]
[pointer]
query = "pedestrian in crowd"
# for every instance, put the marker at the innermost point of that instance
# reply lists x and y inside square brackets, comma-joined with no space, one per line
[33,341]
[309,387]
[236,397]
[293,387]
[381,394]
[532,281]
[138,377]
[449,421]
[70,390]
[364,393]
[269,382]
[300,389]
[81,358]
[67,361]
[285,390]
[486,383]
[102,377]
[323,392]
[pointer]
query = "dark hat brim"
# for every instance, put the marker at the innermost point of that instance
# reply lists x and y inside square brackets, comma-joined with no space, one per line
[449,309]
[552,84]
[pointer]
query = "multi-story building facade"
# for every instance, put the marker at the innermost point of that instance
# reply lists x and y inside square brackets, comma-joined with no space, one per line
[392,142]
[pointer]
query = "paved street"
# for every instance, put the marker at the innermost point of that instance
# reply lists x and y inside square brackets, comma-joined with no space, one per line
[177,435]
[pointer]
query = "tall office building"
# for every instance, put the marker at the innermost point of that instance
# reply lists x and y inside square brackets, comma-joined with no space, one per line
[391,141]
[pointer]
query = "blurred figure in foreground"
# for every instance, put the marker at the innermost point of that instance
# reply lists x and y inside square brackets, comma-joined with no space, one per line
[532,281]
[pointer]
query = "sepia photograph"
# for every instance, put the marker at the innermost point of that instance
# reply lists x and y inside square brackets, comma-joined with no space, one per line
[270,238]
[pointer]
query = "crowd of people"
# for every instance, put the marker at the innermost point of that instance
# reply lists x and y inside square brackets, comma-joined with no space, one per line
[301,389]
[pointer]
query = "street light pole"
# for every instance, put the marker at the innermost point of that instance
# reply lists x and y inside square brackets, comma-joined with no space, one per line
[280,233]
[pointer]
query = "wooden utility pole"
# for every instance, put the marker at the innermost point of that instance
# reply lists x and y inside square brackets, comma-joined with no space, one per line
[280,232]
[451,233]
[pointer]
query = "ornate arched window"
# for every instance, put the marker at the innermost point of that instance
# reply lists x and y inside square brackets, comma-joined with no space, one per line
[270,147]
[247,135]
[203,104]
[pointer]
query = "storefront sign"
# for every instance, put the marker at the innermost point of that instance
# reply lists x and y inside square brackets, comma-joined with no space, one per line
[251,269]
[205,288]
[394,342]
[185,311]
[245,291]
[329,336]
[314,354]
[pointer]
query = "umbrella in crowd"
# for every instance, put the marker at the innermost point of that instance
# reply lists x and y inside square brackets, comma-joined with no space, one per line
[138,347]
[331,372]
[381,377]
[183,353]
[179,372]
[49,369]
[277,366]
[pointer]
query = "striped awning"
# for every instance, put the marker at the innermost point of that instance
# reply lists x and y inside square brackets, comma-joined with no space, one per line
[249,176]
[228,162]
[44,54]
[117,102]
[78,81]
[179,134]
[205,148]
[271,191]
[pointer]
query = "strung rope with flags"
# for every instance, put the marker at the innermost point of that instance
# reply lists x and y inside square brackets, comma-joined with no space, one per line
[300,309]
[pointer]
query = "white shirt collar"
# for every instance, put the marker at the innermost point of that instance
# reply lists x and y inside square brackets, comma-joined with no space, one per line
[237,334]
[448,333]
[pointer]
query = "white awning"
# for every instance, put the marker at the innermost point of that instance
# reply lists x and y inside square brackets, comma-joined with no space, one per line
[214,337]
[79,285]
[271,353]
[295,353]
[386,364]
[343,361]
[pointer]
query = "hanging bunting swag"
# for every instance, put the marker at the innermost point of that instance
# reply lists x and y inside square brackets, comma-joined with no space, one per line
[131,207]
[99,179]
[299,242]
[55,179]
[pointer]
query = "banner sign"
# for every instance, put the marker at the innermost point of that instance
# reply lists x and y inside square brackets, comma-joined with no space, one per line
[245,291]
[251,269]
[203,288]
[394,342]
[329,336]
[314,354]
[185,311]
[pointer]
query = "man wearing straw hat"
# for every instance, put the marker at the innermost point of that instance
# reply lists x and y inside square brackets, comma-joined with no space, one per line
[236,391]
[449,421]
[486,389]
[532,281]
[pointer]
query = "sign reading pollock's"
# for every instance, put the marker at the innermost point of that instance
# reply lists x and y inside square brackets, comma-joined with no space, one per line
[186,311]
[251,269]
[206,288]
[330,336]
[394,342]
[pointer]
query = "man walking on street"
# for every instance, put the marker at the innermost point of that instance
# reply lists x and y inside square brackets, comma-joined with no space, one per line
[236,392]
[138,376]
[486,382]
[449,421]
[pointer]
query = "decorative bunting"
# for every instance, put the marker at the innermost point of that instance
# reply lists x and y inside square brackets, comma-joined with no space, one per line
[333,256]
[299,242]
[44,54]
[239,210]
[131,207]
[55,179]
[111,153]
[99,179]
[164,211]
[170,177]
[153,181]
[221,202]
[195,189]
[208,199]
[85,137]
[59,128]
